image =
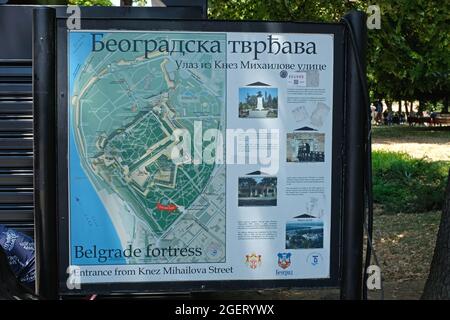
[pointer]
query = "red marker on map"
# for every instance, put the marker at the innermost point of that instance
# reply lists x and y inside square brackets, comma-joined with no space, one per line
[170,207]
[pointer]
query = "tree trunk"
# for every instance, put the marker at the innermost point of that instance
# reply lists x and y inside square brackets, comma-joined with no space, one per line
[126,3]
[399,106]
[421,107]
[438,282]
[406,107]
[445,107]
[389,105]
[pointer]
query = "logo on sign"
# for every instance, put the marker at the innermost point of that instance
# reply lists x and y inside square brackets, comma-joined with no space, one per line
[297,79]
[284,262]
[213,250]
[253,260]
[284,259]
[314,259]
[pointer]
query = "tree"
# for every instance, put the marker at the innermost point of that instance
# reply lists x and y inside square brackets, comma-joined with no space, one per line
[408,57]
[283,10]
[247,183]
[438,283]
[268,181]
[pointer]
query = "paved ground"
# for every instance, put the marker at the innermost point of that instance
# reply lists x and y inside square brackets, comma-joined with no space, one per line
[419,142]
[417,150]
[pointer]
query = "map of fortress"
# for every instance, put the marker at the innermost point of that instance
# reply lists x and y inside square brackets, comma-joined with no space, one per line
[124,109]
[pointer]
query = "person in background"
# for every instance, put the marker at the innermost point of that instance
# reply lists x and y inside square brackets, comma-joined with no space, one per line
[379,112]
[396,118]
[433,116]
[17,265]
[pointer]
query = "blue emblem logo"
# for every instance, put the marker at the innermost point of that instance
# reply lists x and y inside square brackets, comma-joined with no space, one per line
[314,259]
[284,259]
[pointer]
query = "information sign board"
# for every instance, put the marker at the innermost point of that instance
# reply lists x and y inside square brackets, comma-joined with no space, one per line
[200,155]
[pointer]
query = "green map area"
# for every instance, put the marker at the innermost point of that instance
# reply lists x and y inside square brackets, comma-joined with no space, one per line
[125,109]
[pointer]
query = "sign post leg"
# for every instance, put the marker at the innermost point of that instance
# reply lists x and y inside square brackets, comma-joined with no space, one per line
[45,151]
[354,170]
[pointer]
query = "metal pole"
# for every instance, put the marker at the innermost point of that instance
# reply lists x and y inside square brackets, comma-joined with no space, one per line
[351,287]
[44,127]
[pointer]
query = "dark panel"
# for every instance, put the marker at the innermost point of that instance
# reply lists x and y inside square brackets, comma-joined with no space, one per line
[16,139]
[15,161]
[17,144]
[16,197]
[16,107]
[15,32]
[12,89]
[16,179]
[13,73]
[16,214]
[16,125]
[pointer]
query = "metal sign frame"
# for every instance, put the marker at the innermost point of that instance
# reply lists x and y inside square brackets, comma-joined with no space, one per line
[57,159]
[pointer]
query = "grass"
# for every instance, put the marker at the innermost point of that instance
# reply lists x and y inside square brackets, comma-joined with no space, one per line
[405,184]
[406,132]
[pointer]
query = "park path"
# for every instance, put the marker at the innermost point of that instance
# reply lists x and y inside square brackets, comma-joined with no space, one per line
[436,149]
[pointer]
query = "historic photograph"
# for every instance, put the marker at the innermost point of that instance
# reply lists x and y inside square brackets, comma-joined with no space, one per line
[305,147]
[304,233]
[257,191]
[258,102]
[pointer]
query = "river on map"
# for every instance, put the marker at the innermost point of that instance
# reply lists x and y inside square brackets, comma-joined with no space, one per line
[90,223]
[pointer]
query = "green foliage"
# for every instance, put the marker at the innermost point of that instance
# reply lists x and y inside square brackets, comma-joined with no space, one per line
[141,3]
[409,57]
[89,3]
[282,10]
[404,184]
